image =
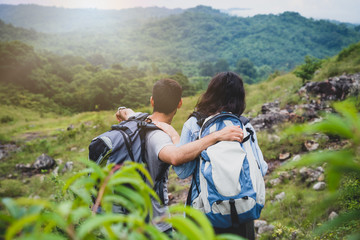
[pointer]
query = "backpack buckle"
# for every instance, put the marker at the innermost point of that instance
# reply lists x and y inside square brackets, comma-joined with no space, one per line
[142,124]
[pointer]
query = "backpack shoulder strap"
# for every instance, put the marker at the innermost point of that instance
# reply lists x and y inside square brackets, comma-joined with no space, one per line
[216,117]
[244,120]
[140,116]
[199,117]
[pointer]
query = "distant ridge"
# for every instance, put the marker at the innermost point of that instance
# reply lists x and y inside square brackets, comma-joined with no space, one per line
[174,40]
[60,20]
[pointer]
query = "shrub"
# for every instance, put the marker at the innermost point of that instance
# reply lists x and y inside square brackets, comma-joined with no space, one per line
[73,219]
[6,119]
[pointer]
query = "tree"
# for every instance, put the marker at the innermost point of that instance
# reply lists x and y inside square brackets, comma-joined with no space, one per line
[307,70]
[187,88]
[206,69]
[221,66]
[246,69]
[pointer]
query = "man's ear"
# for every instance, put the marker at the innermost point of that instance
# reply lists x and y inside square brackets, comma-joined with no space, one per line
[152,101]
[180,104]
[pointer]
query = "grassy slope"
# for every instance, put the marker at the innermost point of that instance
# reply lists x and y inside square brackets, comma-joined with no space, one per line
[293,213]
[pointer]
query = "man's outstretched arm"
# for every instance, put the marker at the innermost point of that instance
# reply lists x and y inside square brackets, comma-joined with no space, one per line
[123,114]
[178,155]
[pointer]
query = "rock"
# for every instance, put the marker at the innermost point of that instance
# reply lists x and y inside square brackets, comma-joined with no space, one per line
[59,161]
[270,107]
[284,176]
[311,145]
[268,120]
[294,235]
[24,168]
[332,215]
[319,186]
[56,171]
[273,138]
[42,178]
[170,196]
[313,175]
[293,173]
[296,158]
[25,181]
[316,120]
[284,156]
[259,223]
[44,162]
[267,228]
[275,181]
[304,171]
[335,88]
[309,175]
[67,167]
[73,149]
[280,197]
[6,149]
[270,116]
[2,154]
[321,178]
[320,169]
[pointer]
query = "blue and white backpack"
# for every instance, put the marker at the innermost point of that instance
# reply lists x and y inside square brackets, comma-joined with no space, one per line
[231,180]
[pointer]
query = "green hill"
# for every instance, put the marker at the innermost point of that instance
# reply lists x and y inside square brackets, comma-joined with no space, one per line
[157,39]
[67,83]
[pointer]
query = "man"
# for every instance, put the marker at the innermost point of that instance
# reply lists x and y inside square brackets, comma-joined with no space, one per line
[160,150]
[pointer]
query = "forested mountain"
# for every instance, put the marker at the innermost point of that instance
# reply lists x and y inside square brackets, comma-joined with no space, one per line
[62,83]
[194,41]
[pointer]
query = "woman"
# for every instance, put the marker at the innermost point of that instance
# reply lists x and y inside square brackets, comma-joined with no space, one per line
[225,93]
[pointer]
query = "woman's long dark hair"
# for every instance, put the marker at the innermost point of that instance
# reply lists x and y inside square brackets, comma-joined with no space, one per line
[225,93]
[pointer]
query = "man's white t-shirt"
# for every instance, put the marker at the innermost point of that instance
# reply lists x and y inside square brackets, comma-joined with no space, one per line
[154,142]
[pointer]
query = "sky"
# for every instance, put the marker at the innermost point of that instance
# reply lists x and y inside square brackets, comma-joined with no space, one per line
[341,10]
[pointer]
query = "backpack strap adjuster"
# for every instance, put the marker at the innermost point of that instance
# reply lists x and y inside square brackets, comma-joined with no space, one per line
[234,216]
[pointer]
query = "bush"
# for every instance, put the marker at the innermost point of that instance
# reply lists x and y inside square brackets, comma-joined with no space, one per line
[73,219]
[6,119]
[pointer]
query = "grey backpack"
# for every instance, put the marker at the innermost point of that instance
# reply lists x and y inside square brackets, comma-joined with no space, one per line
[126,142]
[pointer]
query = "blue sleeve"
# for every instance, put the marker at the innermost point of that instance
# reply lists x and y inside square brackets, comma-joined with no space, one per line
[188,134]
[257,151]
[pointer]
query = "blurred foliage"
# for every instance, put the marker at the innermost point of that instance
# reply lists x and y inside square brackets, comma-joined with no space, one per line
[71,218]
[342,166]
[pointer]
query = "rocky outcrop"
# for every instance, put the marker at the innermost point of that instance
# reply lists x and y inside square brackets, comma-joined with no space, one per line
[317,95]
[6,149]
[43,162]
[335,88]
[270,116]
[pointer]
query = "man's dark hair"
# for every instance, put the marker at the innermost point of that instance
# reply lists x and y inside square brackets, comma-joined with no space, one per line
[225,92]
[166,95]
